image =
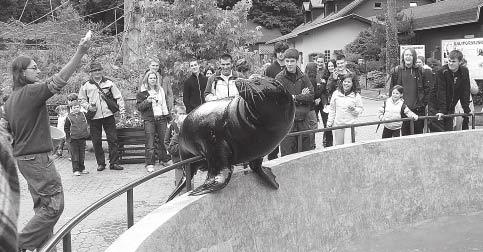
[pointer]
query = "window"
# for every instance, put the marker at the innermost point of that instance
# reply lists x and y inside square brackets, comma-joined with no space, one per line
[378,5]
[326,55]
[413,4]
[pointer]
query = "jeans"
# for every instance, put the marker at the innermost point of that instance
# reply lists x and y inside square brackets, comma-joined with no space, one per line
[78,154]
[155,145]
[418,125]
[289,145]
[109,125]
[328,138]
[389,133]
[342,136]
[45,187]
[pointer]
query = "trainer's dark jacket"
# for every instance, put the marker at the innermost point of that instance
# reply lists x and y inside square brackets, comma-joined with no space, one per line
[193,89]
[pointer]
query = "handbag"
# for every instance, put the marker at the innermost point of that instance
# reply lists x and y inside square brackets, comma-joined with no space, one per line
[109,99]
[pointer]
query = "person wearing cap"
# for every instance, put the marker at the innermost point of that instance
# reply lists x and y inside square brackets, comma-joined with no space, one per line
[298,84]
[89,95]
[222,84]
[28,121]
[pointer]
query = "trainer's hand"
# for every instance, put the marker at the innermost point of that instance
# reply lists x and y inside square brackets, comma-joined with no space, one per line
[440,116]
[85,42]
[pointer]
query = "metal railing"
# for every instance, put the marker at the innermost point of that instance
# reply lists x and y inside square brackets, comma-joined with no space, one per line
[300,134]
[64,233]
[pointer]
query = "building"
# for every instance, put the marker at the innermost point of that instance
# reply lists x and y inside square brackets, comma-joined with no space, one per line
[330,25]
[450,19]
[264,50]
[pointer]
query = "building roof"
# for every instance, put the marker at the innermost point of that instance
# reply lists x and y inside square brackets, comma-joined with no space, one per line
[321,21]
[444,13]
[267,34]
[329,21]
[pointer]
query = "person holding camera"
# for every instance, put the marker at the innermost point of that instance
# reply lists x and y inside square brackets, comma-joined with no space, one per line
[102,94]
[155,107]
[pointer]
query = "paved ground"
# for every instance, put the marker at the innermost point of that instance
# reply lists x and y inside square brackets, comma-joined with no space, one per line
[101,228]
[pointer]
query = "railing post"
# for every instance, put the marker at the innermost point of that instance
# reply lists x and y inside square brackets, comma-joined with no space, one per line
[299,143]
[353,134]
[473,123]
[188,177]
[130,208]
[66,243]
[411,126]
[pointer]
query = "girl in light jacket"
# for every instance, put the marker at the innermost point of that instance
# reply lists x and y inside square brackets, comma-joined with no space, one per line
[393,108]
[344,109]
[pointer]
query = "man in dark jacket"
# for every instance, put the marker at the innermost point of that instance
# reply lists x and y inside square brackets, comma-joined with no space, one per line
[452,84]
[276,67]
[194,87]
[416,88]
[299,85]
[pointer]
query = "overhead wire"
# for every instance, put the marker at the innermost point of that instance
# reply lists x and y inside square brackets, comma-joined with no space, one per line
[25,6]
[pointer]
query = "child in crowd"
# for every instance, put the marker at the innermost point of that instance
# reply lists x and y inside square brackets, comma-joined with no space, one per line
[76,132]
[62,111]
[171,139]
[394,108]
[74,97]
[345,108]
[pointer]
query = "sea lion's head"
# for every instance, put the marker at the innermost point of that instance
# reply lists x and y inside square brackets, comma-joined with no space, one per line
[268,97]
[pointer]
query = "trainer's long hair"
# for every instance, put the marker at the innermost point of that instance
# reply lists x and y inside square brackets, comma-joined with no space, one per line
[19,65]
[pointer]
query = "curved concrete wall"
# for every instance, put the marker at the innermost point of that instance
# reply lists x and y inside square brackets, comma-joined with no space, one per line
[326,198]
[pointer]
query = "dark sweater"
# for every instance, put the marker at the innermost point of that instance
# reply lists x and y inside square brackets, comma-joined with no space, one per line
[193,89]
[76,125]
[450,88]
[273,69]
[26,112]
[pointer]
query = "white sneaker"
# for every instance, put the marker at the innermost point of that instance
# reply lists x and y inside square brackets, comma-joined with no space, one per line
[150,168]
[77,173]
[84,172]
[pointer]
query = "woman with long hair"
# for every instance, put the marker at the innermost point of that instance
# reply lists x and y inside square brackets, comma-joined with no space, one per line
[330,79]
[153,103]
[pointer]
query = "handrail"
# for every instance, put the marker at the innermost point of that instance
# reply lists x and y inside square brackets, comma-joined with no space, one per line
[355,125]
[64,231]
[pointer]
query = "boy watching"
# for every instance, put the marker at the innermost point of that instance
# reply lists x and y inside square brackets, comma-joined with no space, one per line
[76,132]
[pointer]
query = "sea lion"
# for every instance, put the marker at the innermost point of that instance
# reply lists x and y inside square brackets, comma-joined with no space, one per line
[237,130]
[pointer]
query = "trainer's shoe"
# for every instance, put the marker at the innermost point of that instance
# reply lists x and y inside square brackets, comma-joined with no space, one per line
[76,173]
[101,167]
[116,167]
[150,168]
[84,172]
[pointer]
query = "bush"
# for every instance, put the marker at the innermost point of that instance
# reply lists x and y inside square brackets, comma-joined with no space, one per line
[376,78]
[373,65]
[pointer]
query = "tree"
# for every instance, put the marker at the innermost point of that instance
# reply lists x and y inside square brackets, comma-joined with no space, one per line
[392,44]
[190,29]
[282,14]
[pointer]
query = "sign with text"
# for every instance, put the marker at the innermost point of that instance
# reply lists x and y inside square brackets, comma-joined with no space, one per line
[420,49]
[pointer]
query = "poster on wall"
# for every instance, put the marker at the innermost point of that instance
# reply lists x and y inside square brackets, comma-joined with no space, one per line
[472,50]
[420,49]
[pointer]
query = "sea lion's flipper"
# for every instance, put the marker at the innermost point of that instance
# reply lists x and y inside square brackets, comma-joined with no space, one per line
[215,183]
[265,173]
[178,189]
